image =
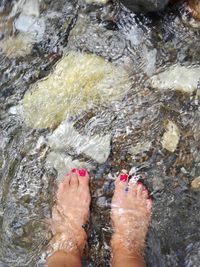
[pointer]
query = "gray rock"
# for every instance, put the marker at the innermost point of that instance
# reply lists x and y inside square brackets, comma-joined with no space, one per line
[145,5]
[63,163]
[97,147]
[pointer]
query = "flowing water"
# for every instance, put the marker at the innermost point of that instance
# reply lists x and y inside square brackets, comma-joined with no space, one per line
[151,128]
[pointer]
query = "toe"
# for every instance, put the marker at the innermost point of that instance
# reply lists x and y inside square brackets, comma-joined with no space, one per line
[121,184]
[149,204]
[66,181]
[139,189]
[83,178]
[63,186]
[74,179]
[132,188]
[145,193]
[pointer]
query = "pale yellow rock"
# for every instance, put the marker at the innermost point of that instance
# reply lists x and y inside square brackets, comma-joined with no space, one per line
[171,137]
[140,147]
[79,81]
[178,78]
[196,183]
[103,2]
[16,46]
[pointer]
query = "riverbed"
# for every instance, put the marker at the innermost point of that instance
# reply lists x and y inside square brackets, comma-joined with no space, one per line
[142,117]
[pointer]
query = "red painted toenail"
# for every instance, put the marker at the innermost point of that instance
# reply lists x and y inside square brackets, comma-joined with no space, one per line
[139,183]
[82,172]
[74,170]
[123,177]
[67,174]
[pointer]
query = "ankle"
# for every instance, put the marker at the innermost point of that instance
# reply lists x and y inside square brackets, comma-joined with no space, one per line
[123,247]
[64,259]
[68,243]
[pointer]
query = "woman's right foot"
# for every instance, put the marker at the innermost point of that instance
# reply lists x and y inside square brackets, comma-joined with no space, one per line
[71,212]
[130,214]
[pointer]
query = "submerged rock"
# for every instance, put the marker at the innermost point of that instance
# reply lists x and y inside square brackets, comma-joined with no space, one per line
[16,46]
[24,17]
[79,81]
[103,2]
[31,8]
[171,137]
[145,5]
[31,25]
[195,8]
[66,137]
[178,78]
[196,183]
[63,163]
[140,147]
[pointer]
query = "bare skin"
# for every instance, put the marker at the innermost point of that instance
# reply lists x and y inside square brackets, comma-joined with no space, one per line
[130,215]
[68,216]
[131,211]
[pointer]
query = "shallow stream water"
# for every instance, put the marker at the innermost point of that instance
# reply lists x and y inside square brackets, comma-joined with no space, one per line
[130,129]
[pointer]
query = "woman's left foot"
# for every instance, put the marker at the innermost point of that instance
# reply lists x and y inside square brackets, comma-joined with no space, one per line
[71,212]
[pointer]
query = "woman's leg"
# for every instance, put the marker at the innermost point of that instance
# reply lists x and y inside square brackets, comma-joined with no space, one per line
[130,215]
[68,216]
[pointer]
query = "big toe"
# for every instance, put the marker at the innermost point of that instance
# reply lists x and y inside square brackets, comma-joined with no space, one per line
[74,179]
[121,185]
[83,178]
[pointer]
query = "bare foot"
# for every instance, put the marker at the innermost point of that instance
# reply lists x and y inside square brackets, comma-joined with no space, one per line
[70,213]
[130,214]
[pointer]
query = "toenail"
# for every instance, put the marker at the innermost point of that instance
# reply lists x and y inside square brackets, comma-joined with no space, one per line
[82,172]
[139,183]
[123,177]
[67,174]
[74,170]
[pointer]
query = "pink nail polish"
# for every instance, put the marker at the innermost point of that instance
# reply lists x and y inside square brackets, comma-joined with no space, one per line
[67,174]
[74,170]
[82,172]
[123,177]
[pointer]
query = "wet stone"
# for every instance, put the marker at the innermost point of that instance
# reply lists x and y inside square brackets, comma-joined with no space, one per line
[184,79]
[91,36]
[103,2]
[195,8]
[171,137]
[196,183]
[79,81]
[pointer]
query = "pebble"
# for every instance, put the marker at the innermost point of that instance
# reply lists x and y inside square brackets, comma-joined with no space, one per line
[100,2]
[180,78]
[171,137]
[195,8]
[196,183]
